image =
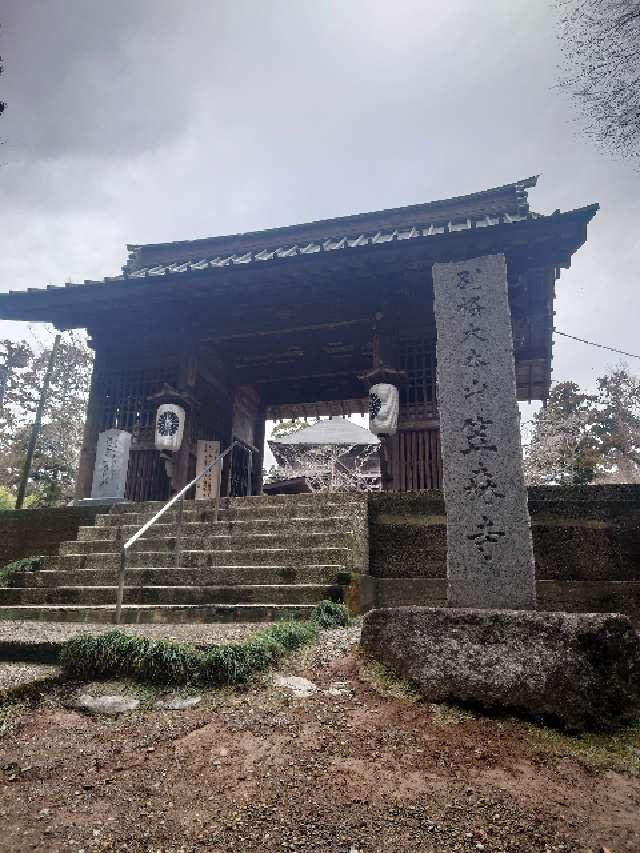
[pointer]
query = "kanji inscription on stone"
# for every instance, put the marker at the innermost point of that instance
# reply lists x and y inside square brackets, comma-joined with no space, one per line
[490,557]
[112,464]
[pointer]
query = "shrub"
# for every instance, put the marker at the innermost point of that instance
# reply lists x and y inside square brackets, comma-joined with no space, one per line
[26,564]
[328,614]
[166,661]
[119,655]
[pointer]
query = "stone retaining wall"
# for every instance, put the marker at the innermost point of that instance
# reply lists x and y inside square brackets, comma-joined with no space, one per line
[36,532]
[586,542]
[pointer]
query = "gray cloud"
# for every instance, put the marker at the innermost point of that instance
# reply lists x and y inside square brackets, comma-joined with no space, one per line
[151,120]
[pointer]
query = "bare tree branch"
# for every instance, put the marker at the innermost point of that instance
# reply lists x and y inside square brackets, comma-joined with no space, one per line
[600,42]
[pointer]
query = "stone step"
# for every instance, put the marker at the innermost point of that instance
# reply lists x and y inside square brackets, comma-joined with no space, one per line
[239,512]
[209,542]
[171,595]
[317,500]
[159,614]
[193,558]
[214,576]
[243,527]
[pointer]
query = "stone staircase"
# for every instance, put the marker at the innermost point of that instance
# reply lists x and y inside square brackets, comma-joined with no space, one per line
[265,558]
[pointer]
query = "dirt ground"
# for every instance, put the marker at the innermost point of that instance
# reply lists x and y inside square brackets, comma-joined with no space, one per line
[362,767]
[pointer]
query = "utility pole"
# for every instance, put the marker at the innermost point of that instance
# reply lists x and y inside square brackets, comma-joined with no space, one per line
[35,429]
[4,377]
[4,372]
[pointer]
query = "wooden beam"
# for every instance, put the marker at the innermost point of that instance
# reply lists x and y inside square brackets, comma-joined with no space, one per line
[318,408]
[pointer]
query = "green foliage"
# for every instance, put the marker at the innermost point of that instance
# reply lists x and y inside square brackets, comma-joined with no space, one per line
[580,438]
[26,564]
[560,450]
[287,427]
[56,457]
[328,614]
[120,655]
[7,500]
[616,430]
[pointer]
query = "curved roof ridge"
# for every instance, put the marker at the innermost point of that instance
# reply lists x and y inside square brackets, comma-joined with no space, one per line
[509,198]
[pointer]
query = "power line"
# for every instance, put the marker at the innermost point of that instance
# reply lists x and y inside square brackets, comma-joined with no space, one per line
[593,344]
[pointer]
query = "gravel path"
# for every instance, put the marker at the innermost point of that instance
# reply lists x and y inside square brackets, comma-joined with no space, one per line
[17,674]
[350,767]
[47,632]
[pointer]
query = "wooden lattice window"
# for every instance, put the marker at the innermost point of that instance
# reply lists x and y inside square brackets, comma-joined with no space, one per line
[125,398]
[417,357]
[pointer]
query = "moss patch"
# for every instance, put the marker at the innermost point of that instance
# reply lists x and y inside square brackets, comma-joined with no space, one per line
[386,682]
[618,751]
[26,564]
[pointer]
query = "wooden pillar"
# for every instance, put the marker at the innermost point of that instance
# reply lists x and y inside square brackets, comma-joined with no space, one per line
[245,418]
[259,443]
[186,382]
[92,425]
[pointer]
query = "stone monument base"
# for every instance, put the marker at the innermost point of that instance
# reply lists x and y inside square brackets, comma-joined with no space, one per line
[581,670]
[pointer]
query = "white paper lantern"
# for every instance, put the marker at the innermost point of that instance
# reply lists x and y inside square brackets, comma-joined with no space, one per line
[169,426]
[384,404]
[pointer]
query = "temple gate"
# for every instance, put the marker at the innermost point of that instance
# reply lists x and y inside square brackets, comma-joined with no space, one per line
[289,322]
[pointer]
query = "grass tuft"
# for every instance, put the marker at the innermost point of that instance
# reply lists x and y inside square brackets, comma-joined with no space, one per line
[120,655]
[328,614]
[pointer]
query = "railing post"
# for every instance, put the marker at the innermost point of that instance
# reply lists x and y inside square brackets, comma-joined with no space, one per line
[179,518]
[217,510]
[249,473]
[123,567]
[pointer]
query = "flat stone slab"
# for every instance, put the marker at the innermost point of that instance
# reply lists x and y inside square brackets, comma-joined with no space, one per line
[178,703]
[581,670]
[106,704]
[301,687]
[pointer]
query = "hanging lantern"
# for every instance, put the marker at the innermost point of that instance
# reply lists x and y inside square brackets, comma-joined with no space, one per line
[169,426]
[384,404]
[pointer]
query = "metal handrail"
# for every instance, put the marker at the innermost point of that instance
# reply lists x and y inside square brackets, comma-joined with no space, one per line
[177,497]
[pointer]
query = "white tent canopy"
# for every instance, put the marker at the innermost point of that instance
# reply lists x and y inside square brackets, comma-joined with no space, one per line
[335,431]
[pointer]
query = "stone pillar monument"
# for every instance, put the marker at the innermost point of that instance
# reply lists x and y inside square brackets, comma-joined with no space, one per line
[489,556]
[112,463]
[490,645]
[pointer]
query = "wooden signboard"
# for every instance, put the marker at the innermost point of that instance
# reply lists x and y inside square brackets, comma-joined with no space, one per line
[207,488]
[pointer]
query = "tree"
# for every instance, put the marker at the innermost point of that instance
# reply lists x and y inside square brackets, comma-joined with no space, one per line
[600,41]
[583,438]
[561,450]
[57,452]
[616,429]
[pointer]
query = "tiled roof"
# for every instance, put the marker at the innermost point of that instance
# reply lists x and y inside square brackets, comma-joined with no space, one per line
[484,210]
[510,198]
[329,245]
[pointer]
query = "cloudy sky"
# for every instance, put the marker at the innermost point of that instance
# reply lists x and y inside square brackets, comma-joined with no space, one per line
[152,120]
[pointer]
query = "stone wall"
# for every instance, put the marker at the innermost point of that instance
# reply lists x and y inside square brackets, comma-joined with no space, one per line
[586,543]
[36,532]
